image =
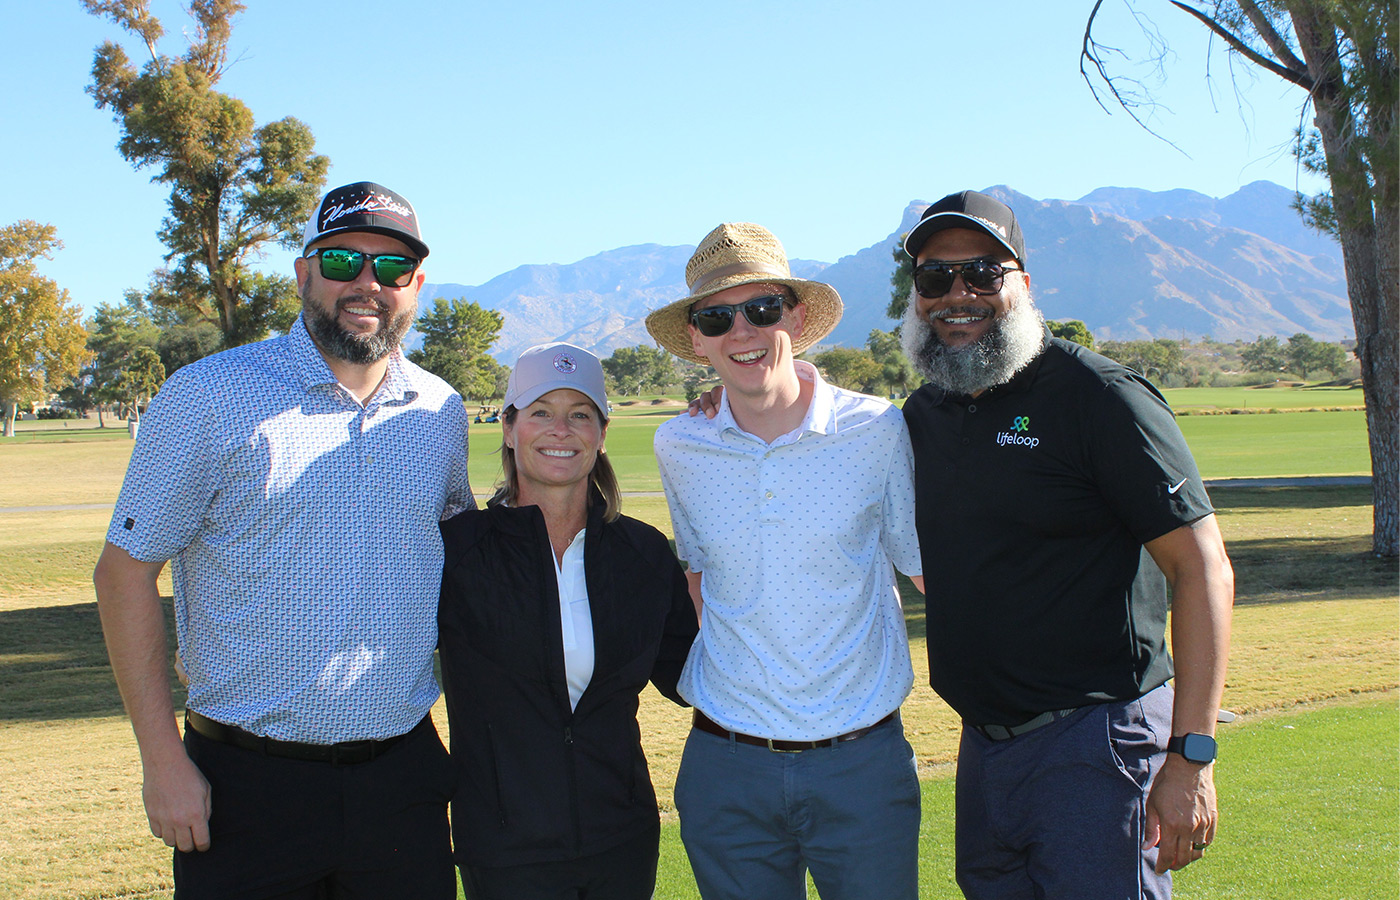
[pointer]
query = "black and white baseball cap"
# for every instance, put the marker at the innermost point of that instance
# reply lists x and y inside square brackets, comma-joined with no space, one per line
[365,206]
[973,210]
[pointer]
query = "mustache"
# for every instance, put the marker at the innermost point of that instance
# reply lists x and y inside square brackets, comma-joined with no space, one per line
[956,311]
[378,304]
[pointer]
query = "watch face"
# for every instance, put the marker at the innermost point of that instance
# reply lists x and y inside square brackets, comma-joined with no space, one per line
[1198,748]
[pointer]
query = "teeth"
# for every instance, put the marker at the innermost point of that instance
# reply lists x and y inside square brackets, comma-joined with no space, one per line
[750,356]
[962,320]
[563,454]
[362,310]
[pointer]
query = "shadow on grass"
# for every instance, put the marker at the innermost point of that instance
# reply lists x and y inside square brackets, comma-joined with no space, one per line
[53,664]
[1274,570]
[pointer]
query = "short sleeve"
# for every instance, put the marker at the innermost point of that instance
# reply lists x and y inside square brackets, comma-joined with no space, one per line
[172,477]
[687,542]
[1142,464]
[459,490]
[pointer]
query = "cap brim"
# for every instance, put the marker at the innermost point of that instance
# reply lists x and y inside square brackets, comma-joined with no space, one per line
[418,248]
[915,240]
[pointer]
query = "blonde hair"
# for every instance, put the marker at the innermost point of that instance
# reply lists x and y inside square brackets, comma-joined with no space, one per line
[602,478]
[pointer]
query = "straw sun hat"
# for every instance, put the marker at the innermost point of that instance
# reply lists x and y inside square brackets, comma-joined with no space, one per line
[742,253]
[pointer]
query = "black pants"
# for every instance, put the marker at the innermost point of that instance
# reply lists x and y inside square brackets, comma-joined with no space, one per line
[283,828]
[626,872]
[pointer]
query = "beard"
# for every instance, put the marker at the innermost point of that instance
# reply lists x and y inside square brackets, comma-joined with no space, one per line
[1014,339]
[352,347]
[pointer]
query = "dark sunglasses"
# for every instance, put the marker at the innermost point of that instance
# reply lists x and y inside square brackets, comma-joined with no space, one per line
[762,312]
[982,276]
[390,269]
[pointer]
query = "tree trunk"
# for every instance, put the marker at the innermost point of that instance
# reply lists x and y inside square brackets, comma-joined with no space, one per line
[1368,236]
[11,410]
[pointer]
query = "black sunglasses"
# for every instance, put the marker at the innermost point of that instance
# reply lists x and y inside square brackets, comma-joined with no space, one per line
[982,276]
[762,312]
[390,269]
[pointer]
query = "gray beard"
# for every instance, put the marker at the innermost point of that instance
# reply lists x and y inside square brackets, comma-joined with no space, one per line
[358,349]
[1008,347]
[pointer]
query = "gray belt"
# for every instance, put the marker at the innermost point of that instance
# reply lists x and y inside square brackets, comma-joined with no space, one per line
[1007,732]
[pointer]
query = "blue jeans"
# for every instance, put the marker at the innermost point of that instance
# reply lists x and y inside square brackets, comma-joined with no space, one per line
[754,821]
[1061,811]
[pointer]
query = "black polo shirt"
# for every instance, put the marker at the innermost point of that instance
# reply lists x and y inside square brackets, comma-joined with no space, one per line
[1033,503]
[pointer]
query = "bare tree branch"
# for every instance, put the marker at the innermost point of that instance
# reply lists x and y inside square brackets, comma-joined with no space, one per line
[1299,78]
[1092,52]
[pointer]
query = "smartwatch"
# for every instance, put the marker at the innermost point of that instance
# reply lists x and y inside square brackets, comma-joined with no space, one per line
[1196,748]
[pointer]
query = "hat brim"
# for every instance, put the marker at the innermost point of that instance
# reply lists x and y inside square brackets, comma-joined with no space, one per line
[419,248]
[915,240]
[670,325]
[535,392]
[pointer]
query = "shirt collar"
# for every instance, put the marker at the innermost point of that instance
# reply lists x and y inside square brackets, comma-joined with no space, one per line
[312,368]
[820,417]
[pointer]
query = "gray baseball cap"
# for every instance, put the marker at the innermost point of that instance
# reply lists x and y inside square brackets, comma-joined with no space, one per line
[550,367]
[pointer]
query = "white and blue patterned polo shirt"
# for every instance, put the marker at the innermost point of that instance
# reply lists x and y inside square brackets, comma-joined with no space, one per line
[302,529]
[802,635]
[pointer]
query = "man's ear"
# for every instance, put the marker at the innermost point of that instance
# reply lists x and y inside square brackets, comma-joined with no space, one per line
[695,342]
[797,320]
[302,267]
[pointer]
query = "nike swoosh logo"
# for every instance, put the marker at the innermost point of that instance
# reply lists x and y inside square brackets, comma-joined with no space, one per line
[1176,487]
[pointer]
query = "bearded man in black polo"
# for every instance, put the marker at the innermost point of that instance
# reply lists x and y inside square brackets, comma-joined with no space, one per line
[1056,503]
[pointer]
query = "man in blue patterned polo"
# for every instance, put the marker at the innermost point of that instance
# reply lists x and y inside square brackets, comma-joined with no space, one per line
[295,486]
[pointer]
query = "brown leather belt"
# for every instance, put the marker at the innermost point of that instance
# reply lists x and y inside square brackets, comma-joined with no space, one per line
[346,753]
[710,726]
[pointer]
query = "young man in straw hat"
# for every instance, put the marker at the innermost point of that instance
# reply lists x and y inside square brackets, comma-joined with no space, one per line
[789,507]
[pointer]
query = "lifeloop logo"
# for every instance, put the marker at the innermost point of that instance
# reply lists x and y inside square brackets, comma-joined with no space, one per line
[1017,435]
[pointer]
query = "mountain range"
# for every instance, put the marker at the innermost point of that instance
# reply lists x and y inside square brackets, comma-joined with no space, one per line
[1129,263]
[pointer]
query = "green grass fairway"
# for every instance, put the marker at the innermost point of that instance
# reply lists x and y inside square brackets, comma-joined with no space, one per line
[1266,397]
[1300,443]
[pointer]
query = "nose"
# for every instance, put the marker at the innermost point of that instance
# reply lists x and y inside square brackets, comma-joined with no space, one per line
[959,287]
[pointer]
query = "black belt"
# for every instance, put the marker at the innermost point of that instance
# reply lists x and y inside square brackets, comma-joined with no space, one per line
[709,726]
[1007,732]
[346,753]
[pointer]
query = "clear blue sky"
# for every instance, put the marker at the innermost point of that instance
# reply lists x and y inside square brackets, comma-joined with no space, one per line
[545,132]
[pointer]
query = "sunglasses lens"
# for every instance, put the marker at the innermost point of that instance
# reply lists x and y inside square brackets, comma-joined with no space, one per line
[341,265]
[764,312]
[933,282]
[982,277]
[394,271]
[713,321]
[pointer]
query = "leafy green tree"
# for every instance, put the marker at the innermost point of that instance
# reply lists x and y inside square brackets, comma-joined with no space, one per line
[140,377]
[901,281]
[855,370]
[42,343]
[637,370]
[1073,331]
[1306,355]
[456,338]
[234,187]
[1344,58]
[896,372]
[1264,355]
[1160,357]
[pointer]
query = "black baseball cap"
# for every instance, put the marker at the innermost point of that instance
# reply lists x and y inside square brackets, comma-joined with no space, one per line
[974,210]
[365,206]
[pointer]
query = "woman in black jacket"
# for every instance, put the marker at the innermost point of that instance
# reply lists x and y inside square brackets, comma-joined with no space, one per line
[555,613]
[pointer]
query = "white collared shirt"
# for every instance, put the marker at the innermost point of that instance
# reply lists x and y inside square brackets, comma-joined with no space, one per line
[576,619]
[802,636]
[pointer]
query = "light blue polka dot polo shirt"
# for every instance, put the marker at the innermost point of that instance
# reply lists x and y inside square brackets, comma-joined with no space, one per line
[302,530]
[802,636]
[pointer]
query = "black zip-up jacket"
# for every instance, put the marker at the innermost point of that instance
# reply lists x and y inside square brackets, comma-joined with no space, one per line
[539,782]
